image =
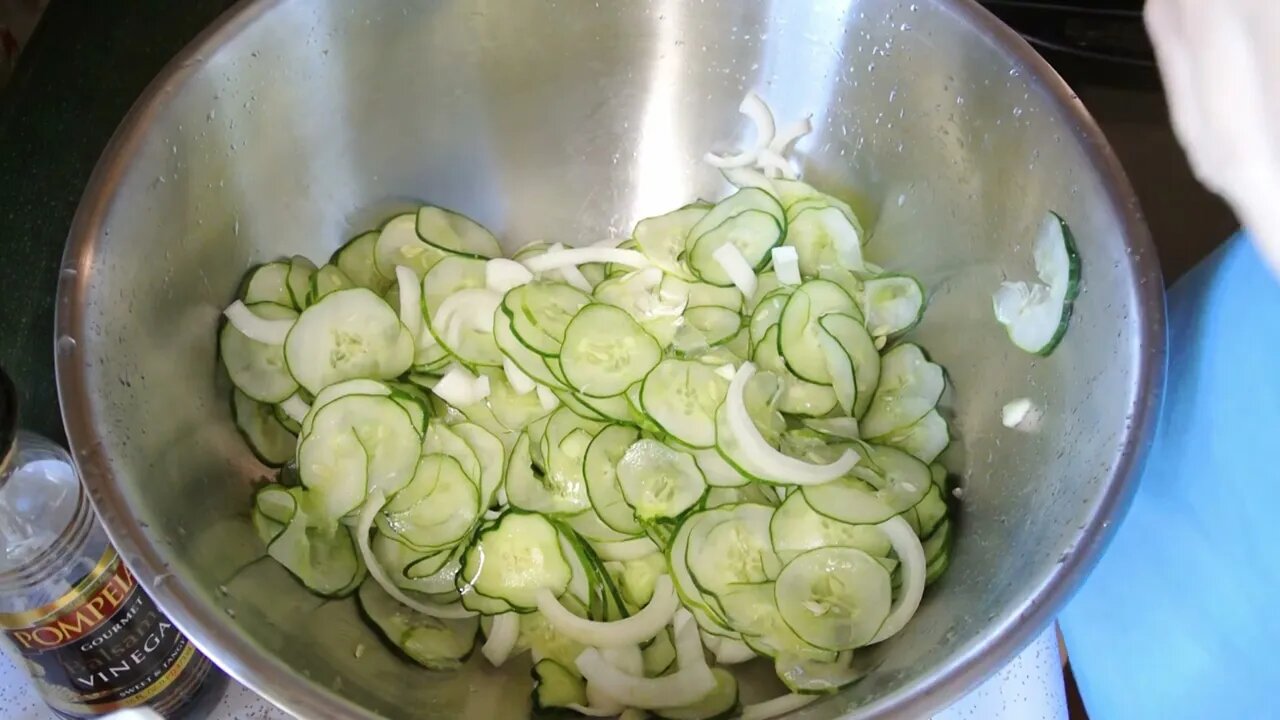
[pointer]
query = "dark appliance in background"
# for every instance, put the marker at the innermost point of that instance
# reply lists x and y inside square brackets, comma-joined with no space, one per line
[1102,50]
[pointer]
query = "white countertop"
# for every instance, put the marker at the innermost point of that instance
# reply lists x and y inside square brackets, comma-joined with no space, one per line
[1029,688]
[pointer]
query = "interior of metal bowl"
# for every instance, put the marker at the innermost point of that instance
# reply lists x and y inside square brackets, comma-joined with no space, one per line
[291,126]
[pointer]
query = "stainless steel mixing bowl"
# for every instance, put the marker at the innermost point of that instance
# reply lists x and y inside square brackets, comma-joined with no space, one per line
[291,124]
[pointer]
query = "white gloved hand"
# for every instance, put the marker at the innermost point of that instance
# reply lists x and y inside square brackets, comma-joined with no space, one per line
[1220,60]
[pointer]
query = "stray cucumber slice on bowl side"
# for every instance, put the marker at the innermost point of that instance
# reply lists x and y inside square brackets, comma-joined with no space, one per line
[893,304]
[1036,314]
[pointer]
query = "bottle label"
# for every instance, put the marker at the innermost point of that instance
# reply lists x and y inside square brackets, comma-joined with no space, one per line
[104,646]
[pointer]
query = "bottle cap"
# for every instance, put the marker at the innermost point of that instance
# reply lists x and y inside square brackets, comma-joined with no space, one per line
[8,418]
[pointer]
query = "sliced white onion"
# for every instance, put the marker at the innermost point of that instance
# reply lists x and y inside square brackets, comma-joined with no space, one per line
[766,460]
[732,652]
[625,550]
[410,300]
[789,134]
[780,705]
[271,332]
[481,389]
[726,371]
[692,682]
[457,387]
[575,278]
[757,110]
[774,165]
[1015,411]
[746,177]
[626,658]
[581,256]
[547,399]
[906,545]
[295,407]
[786,265]
[735,265]
[516,378]
[364,523]
[502,638]
[746,158]
[501,274]
[628,631]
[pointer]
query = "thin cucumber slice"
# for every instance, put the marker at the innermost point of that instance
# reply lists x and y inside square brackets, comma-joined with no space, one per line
[891,480]
[796,396]
[575,404]
[655,300]
[926,438]
[928,514]
[433,643]
[863,358]
[659,656]
[611,409]
[753,611]
[662,238]
[529,488]
[408,566]
[491,455]
[359,386]
[441,438]
[834,598]
[638,578]
[529,362]
[328,279]
[702,294]
[356,445]
[556,688]
[659,483]
[258,369]
[810,676]
[736,551]
[767,313]
[321,555]
[268,438]
[681,397]
[677,553]
[456,233]
[605,351]
[893,304]
[540,313]
[720,704]
[909,388]
[1036,315]
[717,325]
[348,334]
[299,280]
[398,244]
[589,525]
[797,528]
[544,642]
[459,310]
[798,336]
[356,260]
[795,196]
[850,501]
[753,232]
[824,236]
[282,417]
[519,555]
[447,507]
[268,283]
[599,469]
[717,471]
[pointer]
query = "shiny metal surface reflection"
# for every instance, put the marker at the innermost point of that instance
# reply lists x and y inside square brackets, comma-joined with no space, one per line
[291,125]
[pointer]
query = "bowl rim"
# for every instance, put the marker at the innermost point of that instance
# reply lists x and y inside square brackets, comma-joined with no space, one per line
[276,681]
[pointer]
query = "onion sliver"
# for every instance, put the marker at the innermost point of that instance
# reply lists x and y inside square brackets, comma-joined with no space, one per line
[516,378]
[271,332]
[502,638]
[457,387]
[735,265]
[788,135]
[364,523]
[763,457]
[786,264]
[501,274]
[746,158]
[638,628]
[295,407]
[692,682]
[581,256]
[911,554]
[757,110]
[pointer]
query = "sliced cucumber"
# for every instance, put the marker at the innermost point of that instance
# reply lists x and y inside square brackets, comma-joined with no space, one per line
[258,369]
[834,598]
[926,438]
[662,238]
[437,509]
[909,388]
[863,358]
[659,483]
[599,469]
[812,676]
[823,236]
[893,304]
[322,555]
[269,439]
[540,313]
[736,551]
[797,528]
[555,687]
[459,310]
[529,488]
[398,244]
[516,557]
[720,704]
[433,643]
[605,351]
[797,397]
[347,334]
[268,283]
[356,260]
[1036,315]
[328,279]
[455,233]
[751,219]
[799,338]
[529,362]
[681,397]
[655,300]
[301,270]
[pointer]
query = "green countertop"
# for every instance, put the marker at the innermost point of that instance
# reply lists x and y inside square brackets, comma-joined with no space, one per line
[85,65]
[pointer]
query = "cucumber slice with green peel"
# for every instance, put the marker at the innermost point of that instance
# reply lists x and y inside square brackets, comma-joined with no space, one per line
[662,238]
[659,483]
[702,294]
[356,445]
[540,313]
[513,411]
[745,200]
[397,244]
[441,438]
[531,489]
[798,336]
[893,304]
[753,232]
[849,500]
[863,359]
[321,554]
[900,480]
[1036,315]
[809,676]
[655,300]
[434,643]
[638,578]
[328,279]
[347,334]
[282,417]
[767,283]
[356,260]
[938,543]
[720,704]
[767,314]
[681,397]
[258,369]
[835,598]
[301,271]
[928,514]
[677,554]
[909,388]
[589,525]
[455,233]
[519,555]
[458,310]
[440,506]
[797,397]
[735,551]
[491,455]
[268,283]
[545,642]
[716,325]
[659,656]
[599,469]
[406,565]
[797,528]
[824,236]
[926,438]
[753,611]
[529,362]
[358,386]
[556,689]
[605,351]
[578,406]
[267,437]
[795,196]
[717,471]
